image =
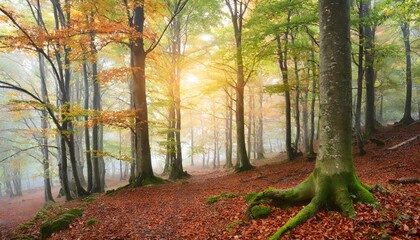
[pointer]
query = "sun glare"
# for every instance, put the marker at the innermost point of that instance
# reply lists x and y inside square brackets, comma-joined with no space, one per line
[191,79]
[206,37]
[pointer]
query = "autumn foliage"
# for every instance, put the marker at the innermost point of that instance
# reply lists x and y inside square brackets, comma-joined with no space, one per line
[179,210]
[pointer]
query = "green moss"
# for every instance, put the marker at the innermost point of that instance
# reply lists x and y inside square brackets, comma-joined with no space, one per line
[250,197]
[153,181]
[90,198]
[231,195]
[41,214]
[232,225]
[25,225]
[78,212]
[91,221]
[212,199]
[260,211]
[59,222]
[25,237]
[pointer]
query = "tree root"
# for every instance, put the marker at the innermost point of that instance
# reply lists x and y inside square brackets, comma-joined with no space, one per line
[337,192]
[244,168]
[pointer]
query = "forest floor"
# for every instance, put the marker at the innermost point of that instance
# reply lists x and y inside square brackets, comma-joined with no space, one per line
[178,210]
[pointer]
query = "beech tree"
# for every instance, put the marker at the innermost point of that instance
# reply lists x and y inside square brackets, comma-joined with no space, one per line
[139,52]
[237,11]
[333,183]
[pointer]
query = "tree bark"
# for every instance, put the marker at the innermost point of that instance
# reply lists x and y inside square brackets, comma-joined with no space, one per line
[237,10]
[407,119]
[313,100]
[228,130]
[360,72]
[260,131]
[192,146]
[369,72]
[87,137]
[143,159]
[282,55]
[333,184]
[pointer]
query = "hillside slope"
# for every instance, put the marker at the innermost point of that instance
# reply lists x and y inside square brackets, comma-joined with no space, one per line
[179,211]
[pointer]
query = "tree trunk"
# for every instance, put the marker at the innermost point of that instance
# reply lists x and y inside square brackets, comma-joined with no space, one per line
[313,70]
[192,146]
[102,170]
[64,175]
[305,118]
[407,119]
[237,10]
[250,128]
[44,119]
[360,71]
[96,187]
[282,55]
[369,73]
[44,140]
[87,137]
[260,131]
[333,184]
[228,131]
[297,110]
[143,160]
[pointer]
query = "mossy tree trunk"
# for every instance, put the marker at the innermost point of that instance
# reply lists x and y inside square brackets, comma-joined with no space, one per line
[333,184]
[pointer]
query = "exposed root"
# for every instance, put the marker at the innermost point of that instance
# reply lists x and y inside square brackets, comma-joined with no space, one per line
[332,192]
[309,211]
[244,168]
[141,181]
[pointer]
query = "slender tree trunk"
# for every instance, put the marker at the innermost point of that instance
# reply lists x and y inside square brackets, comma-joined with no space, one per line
[260,131]
[407,119]
[237,10]
[87,137]
[44,119]
[96,187]
[360,72]
[312,133]
[44,125]
[192,146]
[102,170]
[282,55]
[249,142]
[228,131]
[380,116]
[369,73]
[305,116]
[297,109]
[64,175]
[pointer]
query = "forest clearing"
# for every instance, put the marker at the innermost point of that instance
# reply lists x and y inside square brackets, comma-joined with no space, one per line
[178,210]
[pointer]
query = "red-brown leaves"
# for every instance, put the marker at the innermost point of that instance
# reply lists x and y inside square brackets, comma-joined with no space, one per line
[178,210]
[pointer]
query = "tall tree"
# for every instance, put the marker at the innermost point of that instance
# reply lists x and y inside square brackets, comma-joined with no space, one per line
[143,161]
[360,72]
[333,184]
[237,10]
[406,7]
[369,38]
